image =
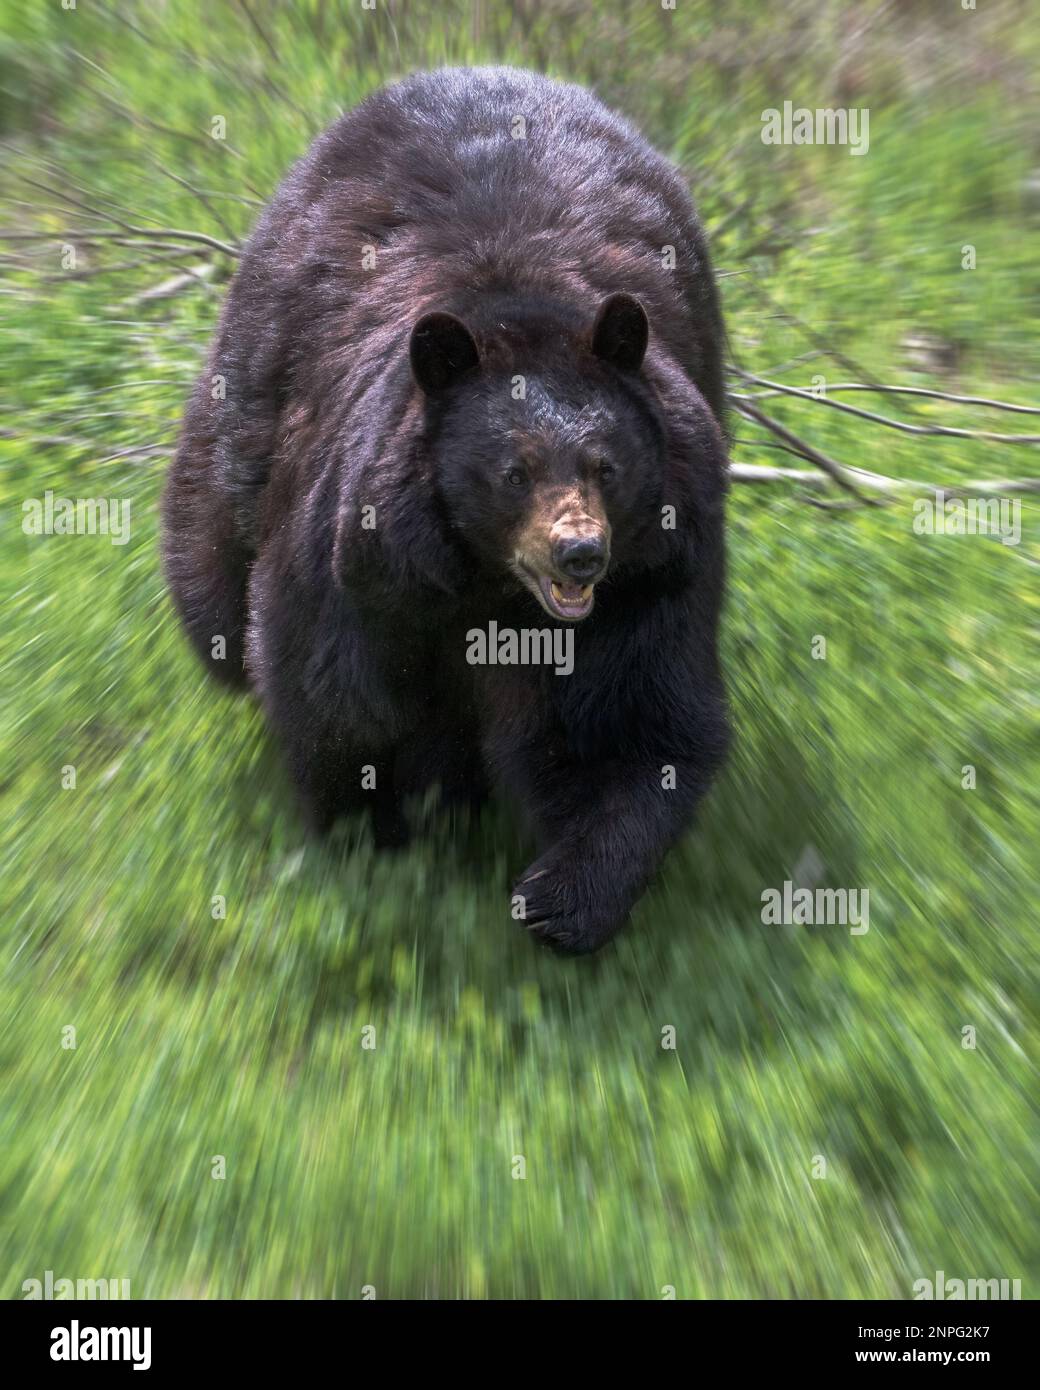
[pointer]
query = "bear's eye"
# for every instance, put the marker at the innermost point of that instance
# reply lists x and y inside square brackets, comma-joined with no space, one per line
[516,477]
[605,469]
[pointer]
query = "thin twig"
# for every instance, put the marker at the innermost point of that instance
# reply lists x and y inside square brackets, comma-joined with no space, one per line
[199,195]
[134,233]
[830,466]
[766,473]
[68,441]
[899,391]
[811,335]
[947,431]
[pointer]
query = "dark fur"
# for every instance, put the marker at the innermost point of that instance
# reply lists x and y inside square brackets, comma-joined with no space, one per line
[355,638]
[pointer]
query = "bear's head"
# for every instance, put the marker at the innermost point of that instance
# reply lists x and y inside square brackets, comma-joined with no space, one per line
[546,445]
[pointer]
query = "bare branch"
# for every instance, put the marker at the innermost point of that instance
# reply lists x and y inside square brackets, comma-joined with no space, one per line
[898,391]
[198,194]
[810,334]
[126,236]
[766,473]
[120,268]
[68,441]
[831,467]
[986,487]
[174,286]
[946,430]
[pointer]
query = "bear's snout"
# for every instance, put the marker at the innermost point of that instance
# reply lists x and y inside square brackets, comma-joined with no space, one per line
[581,555]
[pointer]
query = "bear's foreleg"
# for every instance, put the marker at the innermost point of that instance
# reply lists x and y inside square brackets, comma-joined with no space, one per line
[606,827]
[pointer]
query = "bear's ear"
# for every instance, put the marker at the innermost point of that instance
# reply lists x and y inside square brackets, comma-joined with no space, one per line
[620,332]
[441,350]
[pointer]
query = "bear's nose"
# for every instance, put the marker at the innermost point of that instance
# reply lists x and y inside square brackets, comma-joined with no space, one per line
[580,557]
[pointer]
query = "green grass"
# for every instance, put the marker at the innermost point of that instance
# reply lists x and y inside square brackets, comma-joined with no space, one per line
[242,1036]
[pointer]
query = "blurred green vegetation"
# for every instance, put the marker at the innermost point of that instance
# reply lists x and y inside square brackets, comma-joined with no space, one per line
[242,1036]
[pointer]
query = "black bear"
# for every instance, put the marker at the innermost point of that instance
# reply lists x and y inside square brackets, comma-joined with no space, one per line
[468,379]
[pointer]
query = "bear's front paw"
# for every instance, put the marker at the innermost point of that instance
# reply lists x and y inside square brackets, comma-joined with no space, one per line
[560,906]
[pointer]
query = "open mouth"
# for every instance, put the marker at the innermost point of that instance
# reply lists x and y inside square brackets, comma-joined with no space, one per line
[571,602]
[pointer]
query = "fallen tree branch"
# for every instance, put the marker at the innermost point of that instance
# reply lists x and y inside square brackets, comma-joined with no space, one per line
[810,334]
[988,401]
[130,235]
[69,441]
[174,257]
[767,473]
[804,477]
[174,286]
[834,470]
[948,431]
[198,195]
